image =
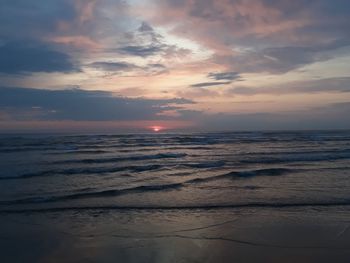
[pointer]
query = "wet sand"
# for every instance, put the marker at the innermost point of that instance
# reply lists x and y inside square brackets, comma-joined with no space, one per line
[317,234]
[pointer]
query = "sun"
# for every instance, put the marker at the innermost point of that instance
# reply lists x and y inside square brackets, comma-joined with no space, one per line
[156,128]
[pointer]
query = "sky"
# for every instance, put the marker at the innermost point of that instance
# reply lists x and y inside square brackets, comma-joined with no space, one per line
[174,65]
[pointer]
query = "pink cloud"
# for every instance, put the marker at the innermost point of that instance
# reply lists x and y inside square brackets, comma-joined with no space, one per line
[254,35]
[220,23]
[77,41]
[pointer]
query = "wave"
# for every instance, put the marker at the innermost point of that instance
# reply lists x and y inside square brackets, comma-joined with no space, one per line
[246,174]
[149,188]
[126,158]
[90,170]
[105,193]
[306,158]
[262,172]
[316,152]
[342,203]
[215,164]
[80,152]
[25,149]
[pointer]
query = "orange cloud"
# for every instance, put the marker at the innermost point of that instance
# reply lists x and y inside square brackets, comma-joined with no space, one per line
[76,41]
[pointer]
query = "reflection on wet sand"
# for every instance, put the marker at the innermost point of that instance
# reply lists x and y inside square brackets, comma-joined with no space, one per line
[256,235]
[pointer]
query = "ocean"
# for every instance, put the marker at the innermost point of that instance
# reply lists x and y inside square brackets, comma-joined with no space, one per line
[176,197]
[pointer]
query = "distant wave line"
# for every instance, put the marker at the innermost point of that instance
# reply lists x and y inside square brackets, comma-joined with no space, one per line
[125,158]
[344,203]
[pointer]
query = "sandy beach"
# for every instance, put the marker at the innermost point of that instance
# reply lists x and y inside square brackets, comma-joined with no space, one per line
[226,235]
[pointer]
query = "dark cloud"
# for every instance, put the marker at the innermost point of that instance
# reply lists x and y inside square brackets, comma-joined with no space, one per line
[332,116]
[209,84]
[28,19]
[29,57]
[47,18]
[81,105]
[119,67]
[145,42]
[141,51]
[52,31]
[145,27]
[25,30]
[112,66]
[219,76]
[330,85]
[225,76]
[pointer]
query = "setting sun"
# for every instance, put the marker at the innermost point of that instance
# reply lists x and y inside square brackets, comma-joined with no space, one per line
[156,128]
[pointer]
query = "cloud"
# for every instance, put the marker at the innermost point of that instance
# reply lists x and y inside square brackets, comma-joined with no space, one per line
[21,19]
[120,67]
[81,105]
[145,27]
[278,60]
[70,26]
[329,85]
[22,107]
[209,84]
[141,51]
[195,93]
[43,36]
[146,42]
[30,57]
[224,76]
[112,66]
[222,39]
[331,117]
[132,92]
[275,36]
[155,69]
[228,76]
[260,35]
